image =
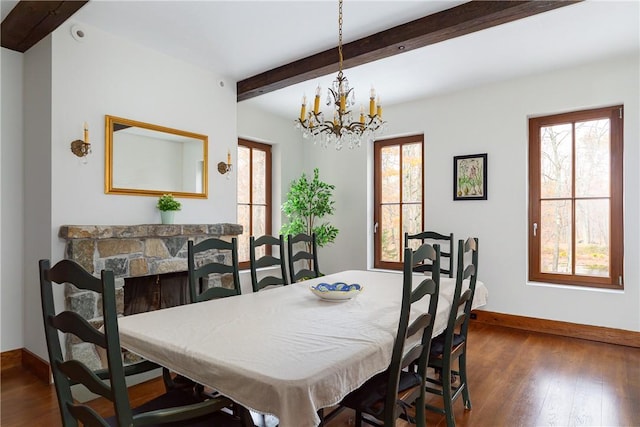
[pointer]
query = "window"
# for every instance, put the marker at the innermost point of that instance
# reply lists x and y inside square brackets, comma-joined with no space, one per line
[575,198]
[254,194]
[398,197]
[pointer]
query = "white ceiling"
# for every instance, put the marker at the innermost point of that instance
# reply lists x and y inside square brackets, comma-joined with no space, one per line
[239,39]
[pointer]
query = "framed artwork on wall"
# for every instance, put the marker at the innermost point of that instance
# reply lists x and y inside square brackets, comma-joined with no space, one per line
[470,177]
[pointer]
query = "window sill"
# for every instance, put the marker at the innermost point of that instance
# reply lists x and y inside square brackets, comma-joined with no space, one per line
[575,287]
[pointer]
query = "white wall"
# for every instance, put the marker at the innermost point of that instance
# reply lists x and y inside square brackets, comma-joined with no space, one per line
[11,209]
[38,190]
[493,119]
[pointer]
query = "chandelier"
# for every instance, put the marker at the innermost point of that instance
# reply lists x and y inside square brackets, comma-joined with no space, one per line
[340,128]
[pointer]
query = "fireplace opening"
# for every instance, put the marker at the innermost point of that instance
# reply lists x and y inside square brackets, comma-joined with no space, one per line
[149,293]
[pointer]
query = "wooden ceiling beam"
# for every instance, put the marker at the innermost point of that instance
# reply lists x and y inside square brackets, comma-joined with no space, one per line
[31,21]
[460,20]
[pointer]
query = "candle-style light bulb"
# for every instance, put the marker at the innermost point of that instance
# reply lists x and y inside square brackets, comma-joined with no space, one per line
[372,102]
[86,133]
[303,108]
[316,101]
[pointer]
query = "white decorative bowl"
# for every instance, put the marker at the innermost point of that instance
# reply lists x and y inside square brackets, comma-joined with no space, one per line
[338,291]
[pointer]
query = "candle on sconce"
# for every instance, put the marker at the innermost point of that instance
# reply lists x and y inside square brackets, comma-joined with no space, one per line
[86,133]
[228,157]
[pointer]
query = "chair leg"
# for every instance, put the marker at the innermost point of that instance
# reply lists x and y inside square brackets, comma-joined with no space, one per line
[421,416]
[462,365]
[168,381]
[447,395]
[244,415]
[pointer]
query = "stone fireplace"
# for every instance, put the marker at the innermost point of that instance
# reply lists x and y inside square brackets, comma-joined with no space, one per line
[151,252]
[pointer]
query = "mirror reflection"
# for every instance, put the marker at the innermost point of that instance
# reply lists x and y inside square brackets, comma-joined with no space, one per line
[146,159]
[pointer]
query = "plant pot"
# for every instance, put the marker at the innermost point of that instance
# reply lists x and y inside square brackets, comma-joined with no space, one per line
[167,216]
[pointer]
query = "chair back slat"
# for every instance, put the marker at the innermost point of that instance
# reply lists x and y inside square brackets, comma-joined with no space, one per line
[66,271]
[214,268]
[412,355]
[269,281]
[425,287]
[79,373]
[417,325]
[300,256]
[267,240]
[469,271]
[267,261]
[215,293]
[71,322]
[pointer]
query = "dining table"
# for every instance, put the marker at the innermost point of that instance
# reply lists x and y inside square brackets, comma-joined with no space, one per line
[284,351]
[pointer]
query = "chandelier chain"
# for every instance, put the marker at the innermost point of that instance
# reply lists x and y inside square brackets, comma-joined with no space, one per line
[340,34]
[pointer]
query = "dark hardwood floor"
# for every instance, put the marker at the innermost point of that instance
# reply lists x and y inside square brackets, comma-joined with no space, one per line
[517,378]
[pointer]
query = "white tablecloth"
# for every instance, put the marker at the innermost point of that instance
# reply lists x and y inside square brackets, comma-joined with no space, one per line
[283,351]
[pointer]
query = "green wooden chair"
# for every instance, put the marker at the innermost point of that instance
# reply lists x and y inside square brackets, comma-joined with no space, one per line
[308,255]
[199,273]
[174,408]
[451,345]
[446,243]
[267,261]
[387,396]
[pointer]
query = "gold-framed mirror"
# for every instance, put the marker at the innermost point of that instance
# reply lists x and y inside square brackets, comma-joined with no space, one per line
[150,160]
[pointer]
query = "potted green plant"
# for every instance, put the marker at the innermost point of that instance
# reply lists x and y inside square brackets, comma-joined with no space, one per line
[307,202]
[168,205]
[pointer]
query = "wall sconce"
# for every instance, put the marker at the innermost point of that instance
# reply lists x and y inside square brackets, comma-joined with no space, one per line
[225,168]
[82,148]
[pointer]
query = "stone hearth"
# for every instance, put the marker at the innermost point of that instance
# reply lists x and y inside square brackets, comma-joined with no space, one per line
[129,251]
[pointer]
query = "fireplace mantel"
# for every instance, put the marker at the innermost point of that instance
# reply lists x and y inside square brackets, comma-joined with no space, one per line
[70,232]
[137,250]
